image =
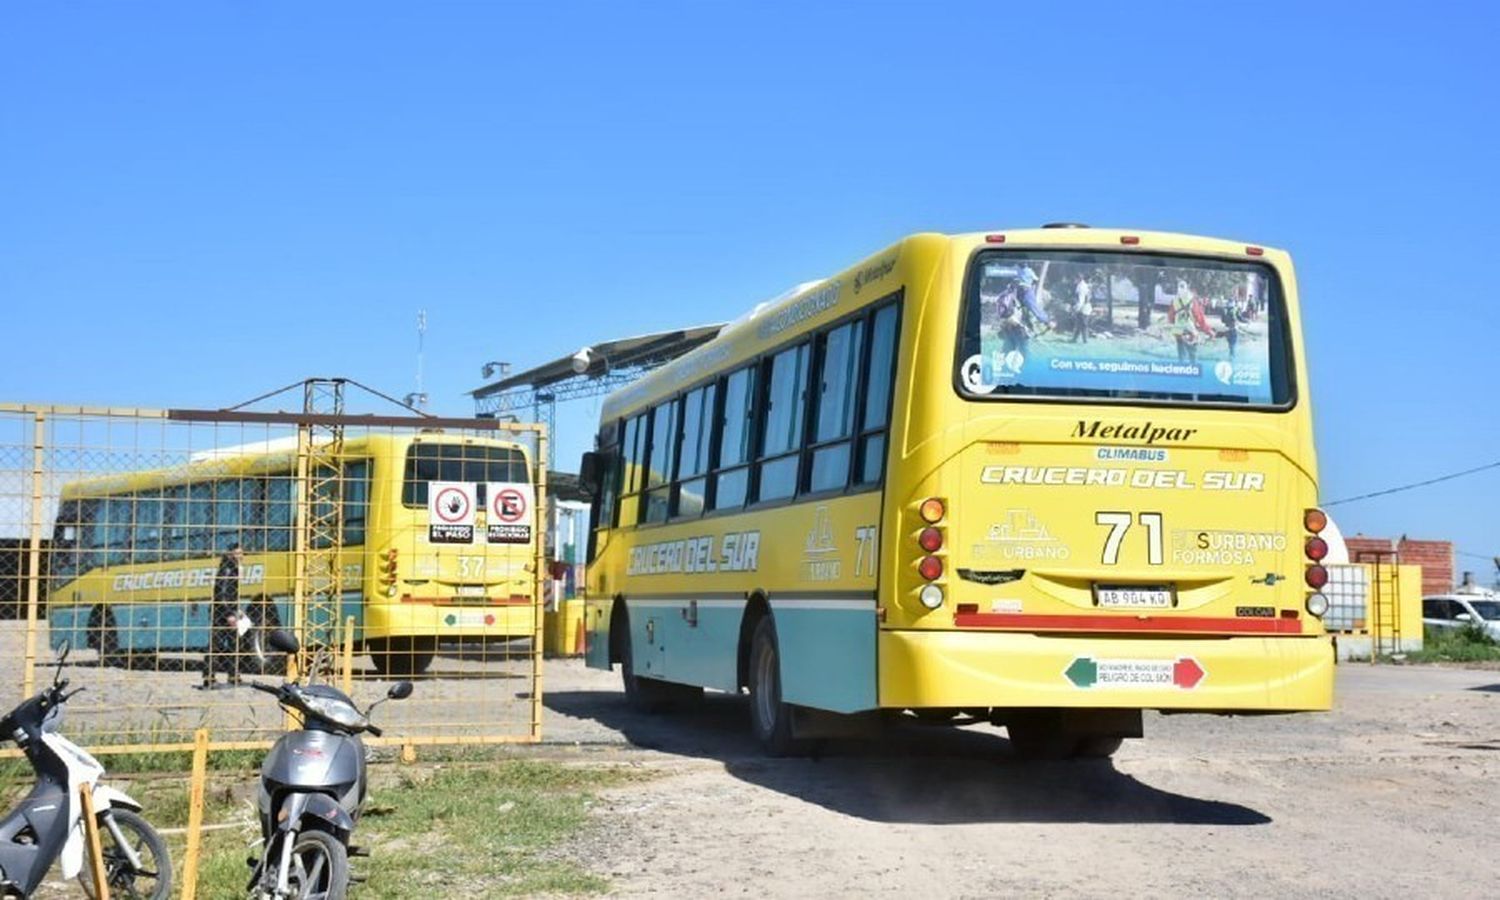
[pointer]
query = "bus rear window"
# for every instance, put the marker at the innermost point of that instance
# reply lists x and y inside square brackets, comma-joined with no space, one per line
[458,462]
[1124,326]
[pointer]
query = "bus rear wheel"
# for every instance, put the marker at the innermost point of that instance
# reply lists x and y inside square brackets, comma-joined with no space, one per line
[770,718]
[401,656]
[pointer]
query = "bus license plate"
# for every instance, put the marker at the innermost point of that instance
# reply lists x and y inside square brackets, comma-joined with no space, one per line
[1133,597]
[471,590]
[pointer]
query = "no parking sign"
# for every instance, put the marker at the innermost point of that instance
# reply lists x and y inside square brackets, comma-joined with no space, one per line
[512,509]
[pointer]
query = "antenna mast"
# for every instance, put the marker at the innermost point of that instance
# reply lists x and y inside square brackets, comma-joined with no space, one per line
[421,396]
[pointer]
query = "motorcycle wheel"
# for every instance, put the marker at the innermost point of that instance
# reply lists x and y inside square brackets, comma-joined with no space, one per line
[152,881]
[320,867]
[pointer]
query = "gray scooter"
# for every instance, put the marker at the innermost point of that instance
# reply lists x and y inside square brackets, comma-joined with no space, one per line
[47,826]
[312,787]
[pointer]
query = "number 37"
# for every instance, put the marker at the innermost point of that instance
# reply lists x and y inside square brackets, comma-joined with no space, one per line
[1119,523]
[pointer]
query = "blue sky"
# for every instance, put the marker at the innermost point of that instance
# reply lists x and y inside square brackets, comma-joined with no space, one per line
[203,201]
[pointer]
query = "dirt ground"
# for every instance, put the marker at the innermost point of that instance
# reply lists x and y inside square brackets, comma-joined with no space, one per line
[1394,793]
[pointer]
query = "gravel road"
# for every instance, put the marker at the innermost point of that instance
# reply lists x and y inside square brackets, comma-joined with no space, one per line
[1395,793]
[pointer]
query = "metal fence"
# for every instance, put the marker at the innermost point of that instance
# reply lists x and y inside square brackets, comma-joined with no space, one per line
[162,547]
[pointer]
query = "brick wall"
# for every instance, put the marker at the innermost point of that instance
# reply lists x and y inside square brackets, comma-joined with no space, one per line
[1435,558]
[1362,544]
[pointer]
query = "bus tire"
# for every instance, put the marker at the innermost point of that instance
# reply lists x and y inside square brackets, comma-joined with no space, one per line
[646,695]
[401,657]
[1098,746]
[104,636]
[770,718]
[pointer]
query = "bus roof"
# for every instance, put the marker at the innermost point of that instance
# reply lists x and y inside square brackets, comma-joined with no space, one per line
[259,458]
[810,304]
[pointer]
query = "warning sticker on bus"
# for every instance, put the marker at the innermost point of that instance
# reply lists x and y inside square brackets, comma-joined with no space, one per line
[511,511]
[450,512]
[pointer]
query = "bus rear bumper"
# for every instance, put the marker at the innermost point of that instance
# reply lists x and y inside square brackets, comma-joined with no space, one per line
[988,669]
[445,621]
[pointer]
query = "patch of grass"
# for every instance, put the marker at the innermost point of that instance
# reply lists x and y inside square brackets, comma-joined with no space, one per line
[1467,644]
[466,830]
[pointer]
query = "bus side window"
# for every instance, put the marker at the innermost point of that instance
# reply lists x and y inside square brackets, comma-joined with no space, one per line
[659,458]
[876,408]
[838,366]
[118,515]
[783,420]
[356,501]
[692,458]
[64,561]
[200,519]
[90,534]
[175,522]
[226,515]
[146,545]
[731,467]
[632,459]
[279,511]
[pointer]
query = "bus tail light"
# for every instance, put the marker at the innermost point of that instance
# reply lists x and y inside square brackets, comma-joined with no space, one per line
[1255,251]
[932,510]
[1316,548]
[930,568]
[1316,577]
[1129,240]
[1317,605]
[1314,520]
[388,567]
[931,596]
[931,539]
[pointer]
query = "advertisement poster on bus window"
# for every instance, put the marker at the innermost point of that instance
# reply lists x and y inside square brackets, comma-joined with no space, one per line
[450,512]
[1081,323]
[512,509]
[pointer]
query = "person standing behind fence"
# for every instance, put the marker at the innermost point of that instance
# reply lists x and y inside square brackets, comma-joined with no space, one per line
[223,631]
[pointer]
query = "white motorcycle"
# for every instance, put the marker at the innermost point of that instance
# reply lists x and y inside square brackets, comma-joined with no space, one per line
[47,826]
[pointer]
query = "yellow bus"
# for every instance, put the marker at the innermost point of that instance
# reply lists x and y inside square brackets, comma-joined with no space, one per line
[134,555]
[1047,478]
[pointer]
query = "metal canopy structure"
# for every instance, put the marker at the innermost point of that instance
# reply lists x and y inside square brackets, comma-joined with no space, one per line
[588,372]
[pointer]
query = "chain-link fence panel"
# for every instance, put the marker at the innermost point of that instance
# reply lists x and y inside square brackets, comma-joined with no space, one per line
[162,550]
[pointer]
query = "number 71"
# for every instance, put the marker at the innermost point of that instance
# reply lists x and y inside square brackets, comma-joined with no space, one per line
[1119,523]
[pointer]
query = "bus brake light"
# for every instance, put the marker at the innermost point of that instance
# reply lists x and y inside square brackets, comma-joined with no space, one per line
[1316,549]
[930,568]
[931,539]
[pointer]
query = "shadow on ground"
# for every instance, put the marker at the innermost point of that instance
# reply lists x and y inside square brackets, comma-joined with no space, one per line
[912,774]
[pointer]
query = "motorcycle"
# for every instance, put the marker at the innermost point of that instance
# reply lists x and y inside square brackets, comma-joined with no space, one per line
[48,824]
[312,788]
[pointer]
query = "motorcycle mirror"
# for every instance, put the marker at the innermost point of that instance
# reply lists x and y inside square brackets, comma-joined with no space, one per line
[399,691]
[62,657]
[282,641]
